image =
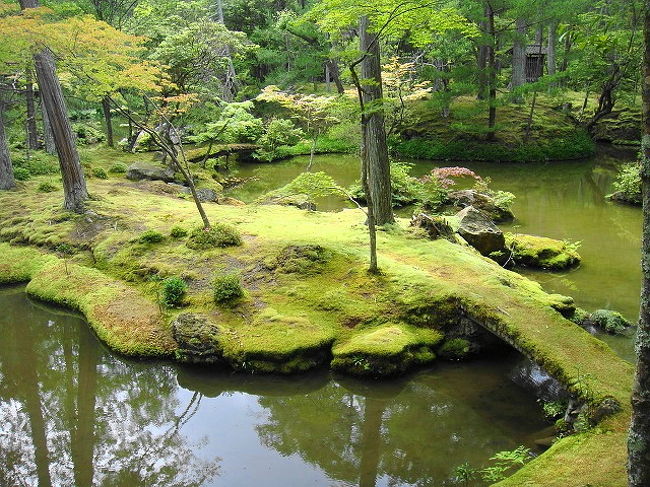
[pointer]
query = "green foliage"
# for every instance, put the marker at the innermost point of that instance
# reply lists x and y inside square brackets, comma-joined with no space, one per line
[178,232]
[118,168]
[21,174]
[554,409]
[219,235]
[628,182]
[87,133]
[504,463]
[574,146]
[173,291]
[278,132]
[464,473]
[609,321]
[311,184]
[37,164]
[226,288]
[151,237]
[46,187]
[99,172]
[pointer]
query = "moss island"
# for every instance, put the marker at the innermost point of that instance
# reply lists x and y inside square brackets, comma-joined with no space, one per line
[278,289]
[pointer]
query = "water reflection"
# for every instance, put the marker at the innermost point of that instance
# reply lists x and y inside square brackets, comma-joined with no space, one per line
[73,414]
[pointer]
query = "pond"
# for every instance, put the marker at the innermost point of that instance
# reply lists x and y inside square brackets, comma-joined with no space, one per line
[75,414]
[563,200]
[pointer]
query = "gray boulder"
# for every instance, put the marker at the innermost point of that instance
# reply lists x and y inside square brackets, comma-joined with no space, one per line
[143,170]
[434,226]
[480,232]
[204,194]
[482,202]
[197,339]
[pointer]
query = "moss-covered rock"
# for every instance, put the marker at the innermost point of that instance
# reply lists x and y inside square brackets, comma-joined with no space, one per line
[541,252]
[606,320]
[389,349]
[197,339]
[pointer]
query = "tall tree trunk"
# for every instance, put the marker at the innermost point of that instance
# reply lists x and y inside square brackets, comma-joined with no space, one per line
[492,76]
[519,58]
[375,148]
[108,120]
[7,180]
[74,183]
[32,132]
[639,440]
[48,138]
[551,56]
[231,83]
[481,61]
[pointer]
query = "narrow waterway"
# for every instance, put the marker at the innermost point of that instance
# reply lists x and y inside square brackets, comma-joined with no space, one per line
[75,414]
[564,200]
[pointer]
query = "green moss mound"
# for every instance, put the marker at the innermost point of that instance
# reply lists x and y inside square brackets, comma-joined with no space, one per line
[389,349]
[219,235]
[277,343]
[541,252]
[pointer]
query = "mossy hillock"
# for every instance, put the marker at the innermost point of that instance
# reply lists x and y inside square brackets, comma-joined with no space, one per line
[540,252]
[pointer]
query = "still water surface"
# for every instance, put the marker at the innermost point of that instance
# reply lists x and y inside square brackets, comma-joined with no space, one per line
[563,200]
[75,414]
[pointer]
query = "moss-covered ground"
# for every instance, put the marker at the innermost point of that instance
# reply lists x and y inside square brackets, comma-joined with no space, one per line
[308,298]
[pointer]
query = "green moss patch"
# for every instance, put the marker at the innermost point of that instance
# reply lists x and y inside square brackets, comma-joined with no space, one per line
[385,350]
[277,343]
[541,252]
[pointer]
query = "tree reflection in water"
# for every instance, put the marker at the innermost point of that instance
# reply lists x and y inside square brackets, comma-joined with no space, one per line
[73,414]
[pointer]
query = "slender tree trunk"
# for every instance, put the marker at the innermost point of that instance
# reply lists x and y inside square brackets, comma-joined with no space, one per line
[336,75]
[48,138]
[231,83]
[375,148]
[32,132]
[108,120]
[492,76]
[481,61]
[639,440]
[7,180]
[519,58]
[551,57]
[74,183]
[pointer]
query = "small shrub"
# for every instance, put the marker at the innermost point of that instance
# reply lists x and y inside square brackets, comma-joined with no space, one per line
[554,409]
[118,168]
[46,187]
[173,291]
[227,288]
[178,232]
[151,237]
[628,182]
[21,174]
[610,321]
[220,235]
[99,172]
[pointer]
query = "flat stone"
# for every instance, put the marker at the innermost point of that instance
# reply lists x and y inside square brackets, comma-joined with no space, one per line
[143,170]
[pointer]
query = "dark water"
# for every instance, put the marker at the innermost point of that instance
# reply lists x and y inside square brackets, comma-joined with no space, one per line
[74,414]
[564,200]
